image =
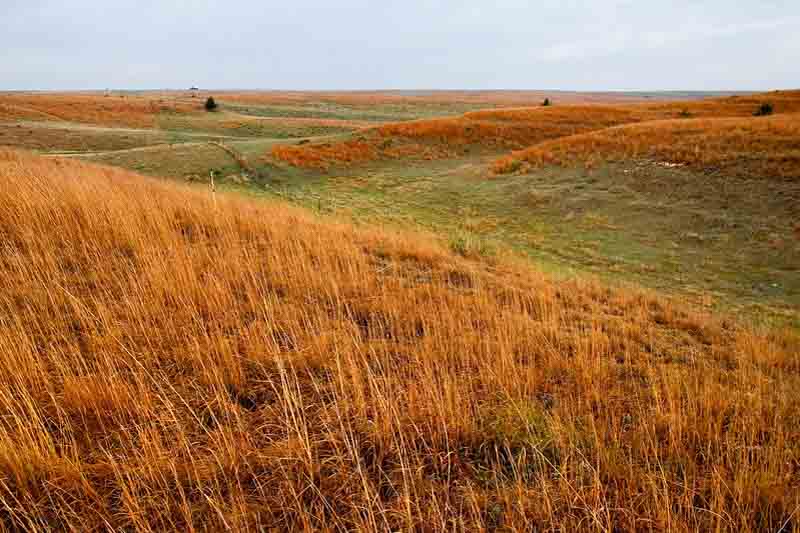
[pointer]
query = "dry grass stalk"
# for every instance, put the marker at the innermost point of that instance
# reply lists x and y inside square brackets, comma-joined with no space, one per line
[163,367]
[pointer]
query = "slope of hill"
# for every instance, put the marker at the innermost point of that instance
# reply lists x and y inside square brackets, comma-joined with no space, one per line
[127,111]
[439,138]
[496,130]
[171,361]
[758,146]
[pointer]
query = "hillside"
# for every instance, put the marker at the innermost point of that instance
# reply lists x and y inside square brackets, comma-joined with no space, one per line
[121,111]
[448,137]
[170,360]
[766,147]
[498,130]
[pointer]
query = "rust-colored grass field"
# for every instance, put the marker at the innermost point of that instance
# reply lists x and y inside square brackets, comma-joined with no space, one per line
[759,146]
[443,137]
[510,127]
[517,128]
[373,98]
[115,110]
[732,106]
[171,362]
[320,156]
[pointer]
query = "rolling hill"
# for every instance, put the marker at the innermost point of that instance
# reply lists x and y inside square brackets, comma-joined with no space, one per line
[170,360]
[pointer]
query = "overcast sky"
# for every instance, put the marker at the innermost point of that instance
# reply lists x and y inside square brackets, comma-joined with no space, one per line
[408,44]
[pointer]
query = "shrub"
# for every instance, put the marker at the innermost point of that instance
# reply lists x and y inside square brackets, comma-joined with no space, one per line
[547,102]
[507,165]
[472,246]
[764,110]
[685,113]
[211,105]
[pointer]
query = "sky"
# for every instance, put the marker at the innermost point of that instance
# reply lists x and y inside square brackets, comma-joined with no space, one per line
[410,44]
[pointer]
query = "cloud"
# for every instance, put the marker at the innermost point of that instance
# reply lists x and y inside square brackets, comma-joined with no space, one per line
[632,40]
[319,44]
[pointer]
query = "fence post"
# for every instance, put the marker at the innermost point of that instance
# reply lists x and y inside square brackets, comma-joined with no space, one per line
[213,190]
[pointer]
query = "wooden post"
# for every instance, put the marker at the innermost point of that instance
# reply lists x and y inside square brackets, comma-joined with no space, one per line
[213,190]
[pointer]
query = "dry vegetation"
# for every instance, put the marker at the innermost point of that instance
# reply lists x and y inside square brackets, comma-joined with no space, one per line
[444,137]
[734,106]
[49,136]
[321,156]
[168,362]
[516,128]
[318,122]
[373,98]
[227,123]
[127,111]
[510,127]
[759,146]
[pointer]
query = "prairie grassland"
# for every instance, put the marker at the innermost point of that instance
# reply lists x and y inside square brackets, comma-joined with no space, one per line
[321,156]
[732,106]
[388,107]
[757,146]
[445,137]
[168,361]
[130,111]
[511,127]
[378,98]
[47,136]
[234,124]
[496,130]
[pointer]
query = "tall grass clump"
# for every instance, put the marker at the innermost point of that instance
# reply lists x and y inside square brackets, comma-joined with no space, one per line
[169,366]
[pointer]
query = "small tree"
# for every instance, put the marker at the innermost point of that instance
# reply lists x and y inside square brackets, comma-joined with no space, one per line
[547,102]
[764,110]
[211,105]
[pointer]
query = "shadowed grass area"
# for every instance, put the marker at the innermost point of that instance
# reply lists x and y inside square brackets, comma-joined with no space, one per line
[726,242]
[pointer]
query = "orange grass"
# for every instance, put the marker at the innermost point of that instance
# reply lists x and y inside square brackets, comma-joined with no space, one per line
[130,111]
[763,146]
[372,98]
[172,363]
[734,106]
[321,156]
[444,137]
[509,127]
[308,122]
[516,128]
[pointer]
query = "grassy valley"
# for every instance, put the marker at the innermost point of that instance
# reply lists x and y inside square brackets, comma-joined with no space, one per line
[400,311]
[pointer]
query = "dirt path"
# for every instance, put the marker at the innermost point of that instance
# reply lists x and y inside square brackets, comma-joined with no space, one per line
[109,129]
[218,143]
[151,148]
